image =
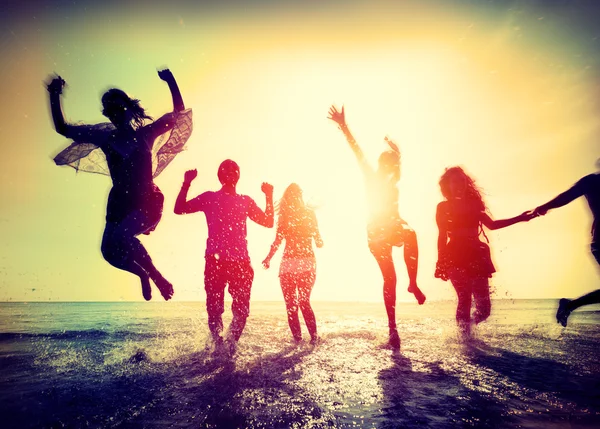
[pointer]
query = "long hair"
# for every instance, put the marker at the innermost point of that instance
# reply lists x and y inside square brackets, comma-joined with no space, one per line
[138,113]
[293,213]
[472,191]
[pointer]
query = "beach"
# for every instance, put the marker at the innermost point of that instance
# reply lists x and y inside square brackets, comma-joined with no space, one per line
[146,365]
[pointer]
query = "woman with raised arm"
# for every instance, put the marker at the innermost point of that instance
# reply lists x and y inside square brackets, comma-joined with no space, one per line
[463,258]
[297,225]
[133,153]
[386,228]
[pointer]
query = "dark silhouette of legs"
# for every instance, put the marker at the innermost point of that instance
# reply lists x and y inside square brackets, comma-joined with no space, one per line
[123,250]
[217,275]
[240,276]
[289,287]
[306,281]
[469,288]
[383,256]
[464,291]
[214,284]
[566,306]
[483,304]
[411,259]
[386,265]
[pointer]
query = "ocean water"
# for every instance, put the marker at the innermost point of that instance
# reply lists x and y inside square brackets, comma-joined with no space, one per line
[150,365]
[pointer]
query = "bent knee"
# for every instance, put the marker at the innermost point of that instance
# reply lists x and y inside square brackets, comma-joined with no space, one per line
[410,237]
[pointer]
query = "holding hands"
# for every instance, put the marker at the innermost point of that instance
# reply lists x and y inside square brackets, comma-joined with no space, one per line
[527,216]
[540,211]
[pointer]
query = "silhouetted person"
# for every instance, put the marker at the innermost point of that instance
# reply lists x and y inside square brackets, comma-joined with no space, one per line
[133,154]
[589,186]
[297,225]
[462,257]
[386,228]
[227,259]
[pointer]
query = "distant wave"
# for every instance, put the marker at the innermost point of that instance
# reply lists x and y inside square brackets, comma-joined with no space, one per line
[91,334]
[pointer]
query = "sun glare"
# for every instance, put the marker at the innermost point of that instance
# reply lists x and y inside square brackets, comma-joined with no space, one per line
[441,102]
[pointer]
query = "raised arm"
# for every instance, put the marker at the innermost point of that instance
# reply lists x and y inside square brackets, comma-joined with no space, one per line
[182,205]
[563,199]
[55,88]
[168,77]
[503,223]
[266,218]
[340,119]
[81,133]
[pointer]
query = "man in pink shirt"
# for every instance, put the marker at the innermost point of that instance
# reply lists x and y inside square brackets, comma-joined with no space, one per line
[227,259]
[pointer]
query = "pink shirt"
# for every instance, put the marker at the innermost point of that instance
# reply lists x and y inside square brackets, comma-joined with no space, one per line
[226,216]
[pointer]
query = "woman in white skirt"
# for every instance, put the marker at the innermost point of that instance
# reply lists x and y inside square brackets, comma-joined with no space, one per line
[297,225]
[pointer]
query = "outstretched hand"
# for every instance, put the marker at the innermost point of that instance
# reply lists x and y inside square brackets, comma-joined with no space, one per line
[267,189]
[166,75]
[527,216]
[337,116]
[190,175]
[266,263]
[391,144]
[540,211]
[56,85]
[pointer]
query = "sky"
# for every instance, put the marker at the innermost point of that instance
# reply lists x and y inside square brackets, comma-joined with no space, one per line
[507,89]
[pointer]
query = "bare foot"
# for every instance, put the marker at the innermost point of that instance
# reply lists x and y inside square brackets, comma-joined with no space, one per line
[420,296]
[394,341]
[563,312]
[165,288]
[146,288]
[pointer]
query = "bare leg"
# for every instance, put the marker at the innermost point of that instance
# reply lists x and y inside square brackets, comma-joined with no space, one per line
[240,285]
[463,309]
[115,253]
[123,250]
[566,306]
[306,282]
[290,296]
[411,259]
[214,284]
[483,305]
[383,255]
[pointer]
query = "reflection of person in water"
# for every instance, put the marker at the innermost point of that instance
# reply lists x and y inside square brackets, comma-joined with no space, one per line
[297,225]
[227,259]
[589,186]
[386,228]
[462,257]
[132,154]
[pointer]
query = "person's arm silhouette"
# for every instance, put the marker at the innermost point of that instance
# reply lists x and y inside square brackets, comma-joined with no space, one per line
[563,199]
[266,218]
[339,117]
[182,205]
[503,223]
[441,264]
[84,133]
[167,76]
[278,240]
[167,121]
